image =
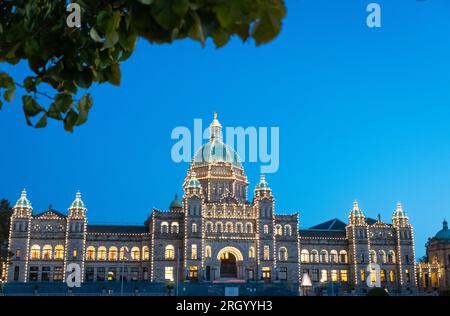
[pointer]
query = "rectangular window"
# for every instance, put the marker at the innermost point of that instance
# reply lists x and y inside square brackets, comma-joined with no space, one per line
[383,275]
[75,253]
[112,274]
[323,276]
[266,253]
[266,272]
[363,275]
[407,275]
[315,275]
[89,274]
[58,274]
[334,276]
[168,274]
[34,273]
[134,274]
[101,274]
[17,253]
[392,276]
[194,252]
[16,273]
[193,273]
[283,274]
[344,276]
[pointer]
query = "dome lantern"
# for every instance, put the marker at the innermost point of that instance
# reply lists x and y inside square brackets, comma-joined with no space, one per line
[356,216]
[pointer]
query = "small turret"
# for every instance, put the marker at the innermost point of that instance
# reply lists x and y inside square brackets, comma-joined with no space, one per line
[23,206]
[176,205]
[399,217]
[77,209]
[356,216]
[263,189]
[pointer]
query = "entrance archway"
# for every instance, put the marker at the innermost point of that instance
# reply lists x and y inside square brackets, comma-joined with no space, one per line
[228,266]
[231,263]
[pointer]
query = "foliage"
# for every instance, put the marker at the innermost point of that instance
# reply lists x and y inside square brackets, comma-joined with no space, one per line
[69,59]
[5,216]
[377,291]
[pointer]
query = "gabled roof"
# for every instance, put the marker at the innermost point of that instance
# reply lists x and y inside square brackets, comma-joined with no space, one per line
[331,225]
[113,229]
[49,214]
[370,221]
[322,233]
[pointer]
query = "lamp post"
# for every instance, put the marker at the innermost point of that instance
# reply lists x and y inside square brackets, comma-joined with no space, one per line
[125,251]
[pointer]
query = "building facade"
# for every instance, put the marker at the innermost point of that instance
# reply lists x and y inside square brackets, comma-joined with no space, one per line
[215,233]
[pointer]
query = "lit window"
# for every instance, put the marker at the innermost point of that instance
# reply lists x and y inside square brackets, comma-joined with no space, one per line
[283,254]
[251,253]
[75,253]
[194,227]
[35,252]
[170,252]
[392,276]
[113,254]
[168,274]
[324,256]
[278,230]
[314,256]
[59,252]
[266,272]
[344,276]
[373,275]
[208,252]
[249,228]
[193,272]
[101,253]
[238,227]
[209,227]
[391,257]
[194,252]
[90,253]
[334,256]
[145,253]
[323,276]
[266,229]
[334,276]
[287,230]
[363,275]
[304,256]
[135,254]
[382,256]
[175,228]
[47,252]
[373,257]
[229,227]
[164,227]
[383,275]
[17,253]
[407,275]
[218,227]
[266,253]
[343,256]
[124,253]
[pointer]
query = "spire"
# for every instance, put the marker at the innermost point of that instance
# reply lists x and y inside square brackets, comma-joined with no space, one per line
[263,185]
[356,216]
[399,218]
[215,129]
[399,212]
[78,202]
[23,200]
[445,225]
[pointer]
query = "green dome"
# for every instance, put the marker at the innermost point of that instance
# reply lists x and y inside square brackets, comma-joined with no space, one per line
[263,185]
[444,233]
[23,200]
[175,203]
[78,203]
[193,183]
[216,151]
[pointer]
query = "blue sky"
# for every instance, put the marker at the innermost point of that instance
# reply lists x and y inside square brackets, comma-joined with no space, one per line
[363,114]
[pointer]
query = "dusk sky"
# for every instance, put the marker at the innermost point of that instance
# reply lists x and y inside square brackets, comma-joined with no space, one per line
[363,114]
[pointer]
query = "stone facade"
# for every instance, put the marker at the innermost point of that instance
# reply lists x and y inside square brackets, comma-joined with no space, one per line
[214,234]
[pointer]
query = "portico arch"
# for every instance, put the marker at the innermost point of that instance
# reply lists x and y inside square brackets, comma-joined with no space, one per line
[236,252]
[231,262]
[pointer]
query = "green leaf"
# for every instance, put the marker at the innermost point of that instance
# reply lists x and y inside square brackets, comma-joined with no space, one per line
[113,74]
[42,122]
[70,120]
[111,39]
[29,84]
[83,106]
[30,106]
[63,101]
[94,35]
[8,95]
[53,113]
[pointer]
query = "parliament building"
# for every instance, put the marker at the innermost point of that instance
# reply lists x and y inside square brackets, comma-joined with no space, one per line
[214,234]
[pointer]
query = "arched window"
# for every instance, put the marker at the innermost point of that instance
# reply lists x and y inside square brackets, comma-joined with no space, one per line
[392,276]
[391,256]
[334,256]
[278,230]
[145,253]
[135,254]
[164,227]
[239,227]
[219,227]
[249,228]
[90,253]
[169,253]
[251,252]
[287,230]
[35,252]
[101,253]
[175,228]
[229,227]
[373,256]
[113,254]
[209,227]
[124,253]
[266,229]
[283,254]
[194,227]
[324,256]
[47,252]
[304,256]
[208,252]
[343,256]
[314,256]
[382,255]
[59,252]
